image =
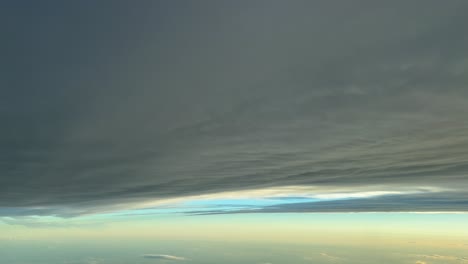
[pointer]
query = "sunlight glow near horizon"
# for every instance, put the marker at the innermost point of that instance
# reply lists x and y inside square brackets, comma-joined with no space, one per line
[338,228]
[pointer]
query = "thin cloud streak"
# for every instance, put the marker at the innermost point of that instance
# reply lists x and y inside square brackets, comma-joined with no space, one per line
[163,257]
[412,203]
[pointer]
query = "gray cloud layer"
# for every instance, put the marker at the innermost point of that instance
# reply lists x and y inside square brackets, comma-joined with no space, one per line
[119,102]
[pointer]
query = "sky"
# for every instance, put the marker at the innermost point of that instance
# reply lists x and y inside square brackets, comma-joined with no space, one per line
[115,114]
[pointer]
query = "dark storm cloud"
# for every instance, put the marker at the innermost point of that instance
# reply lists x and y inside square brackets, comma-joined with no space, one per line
[115,102]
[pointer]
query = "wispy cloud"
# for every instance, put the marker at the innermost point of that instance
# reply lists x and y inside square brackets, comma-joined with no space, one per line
[86,261]
[449,258]
[325,256]
[48,222]
[330,257]
[163,257]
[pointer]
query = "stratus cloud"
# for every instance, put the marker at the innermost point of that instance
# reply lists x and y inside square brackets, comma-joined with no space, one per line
[163,257]
[280,95]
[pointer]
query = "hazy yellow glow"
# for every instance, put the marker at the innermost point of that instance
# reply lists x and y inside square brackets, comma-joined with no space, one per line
[346,229]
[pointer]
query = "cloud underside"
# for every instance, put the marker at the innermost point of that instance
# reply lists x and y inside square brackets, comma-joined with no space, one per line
[186,100]
[414,203]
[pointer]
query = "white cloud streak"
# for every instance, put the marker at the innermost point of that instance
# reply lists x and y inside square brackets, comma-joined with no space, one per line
[163,257]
